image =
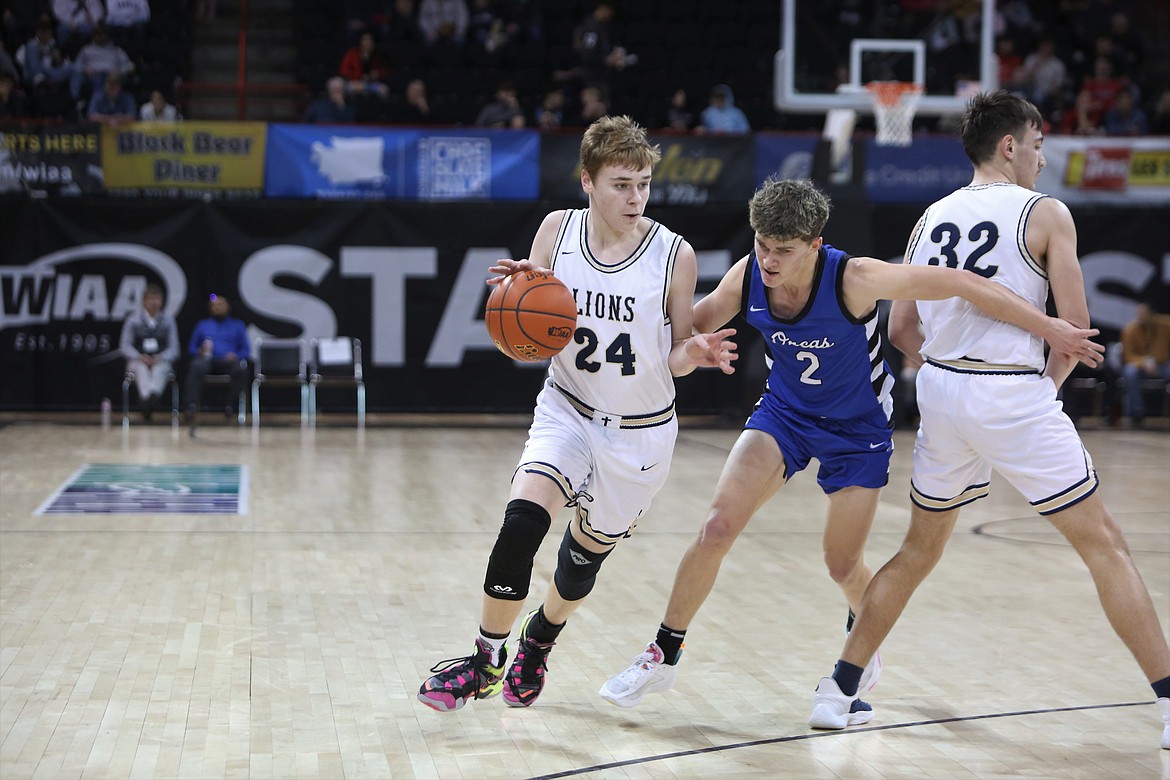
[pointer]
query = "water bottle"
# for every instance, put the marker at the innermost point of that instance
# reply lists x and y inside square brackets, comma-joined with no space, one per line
[106,414]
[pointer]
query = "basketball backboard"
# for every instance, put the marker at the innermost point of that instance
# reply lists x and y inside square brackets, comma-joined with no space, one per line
[829,50]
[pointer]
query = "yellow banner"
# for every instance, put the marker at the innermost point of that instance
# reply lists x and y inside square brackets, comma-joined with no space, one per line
[1146,168]
[185,155]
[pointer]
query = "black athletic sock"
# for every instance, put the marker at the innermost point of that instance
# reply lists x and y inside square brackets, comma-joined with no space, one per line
[670,641]
[541,630]
[1161,688]
[848,677]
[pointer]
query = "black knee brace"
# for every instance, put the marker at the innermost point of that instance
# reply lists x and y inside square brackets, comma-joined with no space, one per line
[576,568]
[509,569]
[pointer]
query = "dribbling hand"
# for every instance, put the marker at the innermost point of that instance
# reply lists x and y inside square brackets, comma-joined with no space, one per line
[505,267]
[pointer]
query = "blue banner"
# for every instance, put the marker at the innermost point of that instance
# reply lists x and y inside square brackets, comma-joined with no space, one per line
[786,156]
[920,173]
[348,161]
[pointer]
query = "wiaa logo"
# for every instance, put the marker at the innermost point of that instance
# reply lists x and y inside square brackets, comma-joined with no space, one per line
[81,283]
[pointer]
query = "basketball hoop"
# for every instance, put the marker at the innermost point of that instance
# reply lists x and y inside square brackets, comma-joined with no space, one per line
[894,103]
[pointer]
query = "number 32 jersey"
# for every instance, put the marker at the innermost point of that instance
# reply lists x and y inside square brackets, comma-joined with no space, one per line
[981,228]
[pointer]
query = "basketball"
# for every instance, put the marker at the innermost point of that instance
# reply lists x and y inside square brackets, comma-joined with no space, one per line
[530,316]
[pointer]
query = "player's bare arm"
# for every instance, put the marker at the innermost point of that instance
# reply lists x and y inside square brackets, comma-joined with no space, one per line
[1052,235]
[868,280]
[540,256]
[691,350]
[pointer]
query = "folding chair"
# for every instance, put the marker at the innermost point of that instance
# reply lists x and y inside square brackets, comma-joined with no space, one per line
[128,380]
[336,362]
[280,363]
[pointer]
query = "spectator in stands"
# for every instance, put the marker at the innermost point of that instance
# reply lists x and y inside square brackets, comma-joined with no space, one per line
[13,104]
[332,107]
[7,64]
[1160,121]
[157,109]
[415,108]
[598,56]
[1103,87]
[365,69]
[18,18]
[127,21]
[41,61]
[592,106]
[1145,354]
[219,345]
[1126,118]
[550,114]
[488,29]
[504,111]
[112,105]
[95,61]
[679,116]
[443,21]
[1042,77]
[76,21]
[150,344]
[721,116]
[1008,60]
[1079,118]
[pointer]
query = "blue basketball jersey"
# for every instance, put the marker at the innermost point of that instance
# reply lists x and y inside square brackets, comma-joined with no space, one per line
[823,362]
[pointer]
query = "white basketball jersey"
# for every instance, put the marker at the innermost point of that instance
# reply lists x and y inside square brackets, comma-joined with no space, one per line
[981,228]
[616,362]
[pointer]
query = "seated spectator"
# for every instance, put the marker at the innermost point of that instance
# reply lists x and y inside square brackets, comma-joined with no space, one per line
[1078,119]
[550,114]
[150,344]
[593,106]
[721,116]
[127,21]
[364,68]
[112,105]
[1042,76]
[1103,87]
[1126,118]
[76,21]
[157,109]
[13,104]
[96,59]
[487,29]
[415,108]
[332,107]
[679,116]
[1145,354]
[219,345]
[504,111]
[443,21]
[41,60]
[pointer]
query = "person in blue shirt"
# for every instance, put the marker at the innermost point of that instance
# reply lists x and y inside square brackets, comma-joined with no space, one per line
[218,345]
[113,105]
[722,116]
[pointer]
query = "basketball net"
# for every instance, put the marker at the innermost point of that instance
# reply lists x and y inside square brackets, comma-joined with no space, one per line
[894,103]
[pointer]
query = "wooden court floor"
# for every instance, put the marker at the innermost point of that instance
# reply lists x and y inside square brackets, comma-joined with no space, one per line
[289,641]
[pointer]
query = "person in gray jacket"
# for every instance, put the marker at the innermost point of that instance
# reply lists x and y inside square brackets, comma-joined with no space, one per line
[150,344]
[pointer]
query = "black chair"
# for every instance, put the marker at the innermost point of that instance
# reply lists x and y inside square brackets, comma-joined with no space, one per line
[336,362]
[280,363]
[128,380]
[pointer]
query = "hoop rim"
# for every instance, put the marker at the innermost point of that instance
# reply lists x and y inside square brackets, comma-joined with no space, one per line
[887,93]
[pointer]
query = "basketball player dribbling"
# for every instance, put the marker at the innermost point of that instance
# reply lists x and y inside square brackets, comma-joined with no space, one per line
[827,397]
[604,426]
[987,399]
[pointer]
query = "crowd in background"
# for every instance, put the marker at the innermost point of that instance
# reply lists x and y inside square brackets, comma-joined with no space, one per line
[1094,67]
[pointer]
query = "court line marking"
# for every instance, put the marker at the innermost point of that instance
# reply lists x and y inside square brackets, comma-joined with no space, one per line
[824,734]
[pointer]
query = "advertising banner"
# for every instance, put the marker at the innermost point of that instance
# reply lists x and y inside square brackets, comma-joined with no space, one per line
[921,173]
[786,156]
[397,276]
[694,170]
[371,163]
[1107,170]
[57,160]
[160,158]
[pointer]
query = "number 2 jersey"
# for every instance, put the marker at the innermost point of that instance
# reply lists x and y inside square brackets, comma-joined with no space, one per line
[981,228]
[823,362]
[617,360]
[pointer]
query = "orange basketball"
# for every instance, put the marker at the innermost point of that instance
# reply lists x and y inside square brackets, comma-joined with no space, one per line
[530,316]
